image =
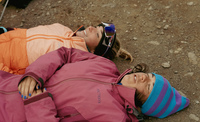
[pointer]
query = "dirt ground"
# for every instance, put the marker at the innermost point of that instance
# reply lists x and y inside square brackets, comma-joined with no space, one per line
[165,34]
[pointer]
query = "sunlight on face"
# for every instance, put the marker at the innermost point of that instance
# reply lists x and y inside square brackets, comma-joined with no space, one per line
[142,82]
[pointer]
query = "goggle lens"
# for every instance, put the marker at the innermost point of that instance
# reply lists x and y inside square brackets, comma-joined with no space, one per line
[110,30]
[109,33]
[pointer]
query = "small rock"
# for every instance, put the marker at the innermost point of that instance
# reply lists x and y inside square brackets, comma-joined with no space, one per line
[12,16]
[184,42]
[150,8]
[192,58]
[178,50]
[134,38]
[190,3]
[194,117]
[167,6]
[162,33]
[166,27]
[158,26]
[196,101]
[171,51]
[166,65]
[47,13]
[175,72]
[189,74]
[154,42]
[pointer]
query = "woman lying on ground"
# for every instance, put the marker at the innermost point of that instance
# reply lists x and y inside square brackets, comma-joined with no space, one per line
[20,47]
[81,86]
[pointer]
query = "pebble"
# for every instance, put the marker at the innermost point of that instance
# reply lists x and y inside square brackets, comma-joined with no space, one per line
[196,101]
[190,3]
[192,57]
[189,74]
[166,27]
[178,50]
[158,26]
[166,65]
[12,16]
[167,6]
[175,72]
[154,42]
[162,33]
[134,38]
[47,13]
[194,117]
[150,8]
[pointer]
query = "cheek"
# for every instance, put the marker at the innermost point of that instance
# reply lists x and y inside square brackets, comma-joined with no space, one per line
[141,88]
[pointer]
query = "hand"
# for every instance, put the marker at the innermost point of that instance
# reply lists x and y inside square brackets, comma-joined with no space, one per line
[37,92]
[27,86]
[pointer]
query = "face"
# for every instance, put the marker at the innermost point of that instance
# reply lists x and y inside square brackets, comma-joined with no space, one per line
[92,36]
[142,82]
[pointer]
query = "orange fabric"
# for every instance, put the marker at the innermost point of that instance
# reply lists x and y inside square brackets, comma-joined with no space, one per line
[13,56]
[21,47]
[46,38]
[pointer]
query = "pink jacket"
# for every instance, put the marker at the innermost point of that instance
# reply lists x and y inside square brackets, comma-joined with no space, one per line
[80,86]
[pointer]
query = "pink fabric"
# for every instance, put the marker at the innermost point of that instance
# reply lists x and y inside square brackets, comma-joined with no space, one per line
[84,88]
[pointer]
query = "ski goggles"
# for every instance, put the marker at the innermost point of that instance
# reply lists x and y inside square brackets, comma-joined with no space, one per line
[109,30]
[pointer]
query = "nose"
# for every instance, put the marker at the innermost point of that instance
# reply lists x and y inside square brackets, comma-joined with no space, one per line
[91,28]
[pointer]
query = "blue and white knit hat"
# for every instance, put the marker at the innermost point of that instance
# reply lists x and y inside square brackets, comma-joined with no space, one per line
[164,100]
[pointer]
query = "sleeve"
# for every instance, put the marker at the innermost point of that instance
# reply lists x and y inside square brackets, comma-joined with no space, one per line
[40,108]
[5,68]
[46,65]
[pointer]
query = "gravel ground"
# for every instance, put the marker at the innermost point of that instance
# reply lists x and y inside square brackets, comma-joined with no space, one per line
[165,34]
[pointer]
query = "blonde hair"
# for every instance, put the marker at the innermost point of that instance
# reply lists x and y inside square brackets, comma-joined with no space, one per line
[117,51]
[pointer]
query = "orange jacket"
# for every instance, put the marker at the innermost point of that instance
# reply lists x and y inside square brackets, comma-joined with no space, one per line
[21,47]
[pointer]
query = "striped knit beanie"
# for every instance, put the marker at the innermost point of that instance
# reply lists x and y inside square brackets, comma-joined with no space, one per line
[164,100]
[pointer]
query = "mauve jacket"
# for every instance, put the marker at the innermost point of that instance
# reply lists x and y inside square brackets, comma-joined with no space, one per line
[80,86]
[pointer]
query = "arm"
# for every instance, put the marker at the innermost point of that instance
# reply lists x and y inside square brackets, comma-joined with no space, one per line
[45,66]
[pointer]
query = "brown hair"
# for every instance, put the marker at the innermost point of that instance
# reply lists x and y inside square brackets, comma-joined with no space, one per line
[117,51]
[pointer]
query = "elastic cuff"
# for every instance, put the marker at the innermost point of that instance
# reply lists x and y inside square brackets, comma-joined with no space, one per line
[4,29]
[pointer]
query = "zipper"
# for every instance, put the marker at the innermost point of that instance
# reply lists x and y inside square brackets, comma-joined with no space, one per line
[80,78]
[66,80]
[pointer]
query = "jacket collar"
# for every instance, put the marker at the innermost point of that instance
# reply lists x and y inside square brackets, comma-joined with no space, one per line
[127,93]
[123,74]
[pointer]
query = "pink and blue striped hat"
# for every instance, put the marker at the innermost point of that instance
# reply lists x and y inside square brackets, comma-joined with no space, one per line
[164,100]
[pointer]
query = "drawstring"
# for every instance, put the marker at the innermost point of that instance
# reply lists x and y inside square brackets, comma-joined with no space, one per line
[4,9]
